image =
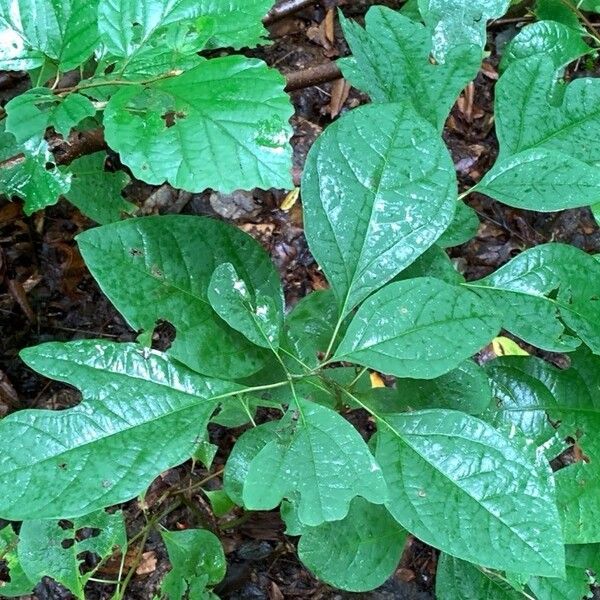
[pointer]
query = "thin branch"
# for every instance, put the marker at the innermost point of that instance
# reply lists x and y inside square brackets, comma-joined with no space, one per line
[312,76]
[284,9]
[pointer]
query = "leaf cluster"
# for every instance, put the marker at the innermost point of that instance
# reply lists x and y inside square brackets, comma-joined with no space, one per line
[462,455]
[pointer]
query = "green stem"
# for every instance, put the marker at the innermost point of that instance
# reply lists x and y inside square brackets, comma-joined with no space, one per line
[94,84]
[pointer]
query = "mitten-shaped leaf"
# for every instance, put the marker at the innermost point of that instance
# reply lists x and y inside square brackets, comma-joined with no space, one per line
[548,133]
[141,414]
[544,287]
[168,262]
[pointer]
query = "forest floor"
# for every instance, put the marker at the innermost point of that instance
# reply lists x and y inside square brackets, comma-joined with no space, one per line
[46,293]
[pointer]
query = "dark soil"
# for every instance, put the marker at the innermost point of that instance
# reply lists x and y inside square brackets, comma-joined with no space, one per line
[46,293]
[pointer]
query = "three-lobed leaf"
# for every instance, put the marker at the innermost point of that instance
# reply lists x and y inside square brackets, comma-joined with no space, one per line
[318,457]
[28,171]
[97,192]
[50,549]
[197,561]
[29,114]
[390,61]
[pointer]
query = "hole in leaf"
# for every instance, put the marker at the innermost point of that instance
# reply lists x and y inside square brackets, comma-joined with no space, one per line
[85,533]
[171,117]
[50,166]
[68,543]
[163,336]
[65,524]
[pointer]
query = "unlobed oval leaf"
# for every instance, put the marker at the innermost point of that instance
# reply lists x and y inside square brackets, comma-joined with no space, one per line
[378,189]
[419,328]
[457,484]
[258,317]
[548,38]
[457,578]
[320,459]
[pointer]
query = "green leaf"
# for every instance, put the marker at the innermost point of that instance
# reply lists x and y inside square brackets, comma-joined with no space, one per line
[229,127]
[419,328]
[35,30]
[357,553]
[576,586]
[457,22]
[29,114]
[432,263]
[548,134]
[465,388]
[220,502]
[128,27]
[563,44]
[390,61]
[321,458]
[258,317]
[243,453]
[141,414]
[520,400]
[591,5]
[572,403]
[19,585]
[47,549]
[457,578]
[167,262]
[378,189]
[96,192]
[28,171]
[448,472]
[197,561]
[236,23]
[542,179]
[544,287]
[463,227]
[550,10]
[310,326]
